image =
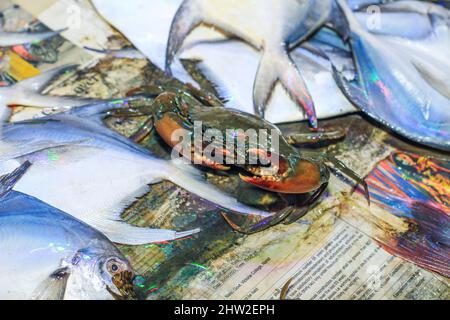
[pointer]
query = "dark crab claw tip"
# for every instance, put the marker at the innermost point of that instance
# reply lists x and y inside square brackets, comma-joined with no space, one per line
[124,284]
[307,177]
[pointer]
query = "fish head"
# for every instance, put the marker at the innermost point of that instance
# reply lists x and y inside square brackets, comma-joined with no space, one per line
[103,274]
[117,275]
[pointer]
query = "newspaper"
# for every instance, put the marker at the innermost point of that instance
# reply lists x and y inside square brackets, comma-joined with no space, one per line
[334,252]
[81,24]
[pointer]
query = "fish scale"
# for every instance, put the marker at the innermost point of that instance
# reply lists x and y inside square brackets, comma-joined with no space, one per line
[38,240]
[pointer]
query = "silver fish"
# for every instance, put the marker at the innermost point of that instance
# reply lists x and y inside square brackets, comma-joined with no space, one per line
[47,254]
[229,65]
[127,53]
[8,39]
[400,88]
[234,80]
[28,93]
[272,26]
[93,173]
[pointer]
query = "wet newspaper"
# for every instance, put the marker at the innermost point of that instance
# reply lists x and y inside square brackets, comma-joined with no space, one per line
[339,250]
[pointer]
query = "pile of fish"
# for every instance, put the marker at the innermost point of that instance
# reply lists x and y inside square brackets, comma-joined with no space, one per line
[389,61]
[331,57]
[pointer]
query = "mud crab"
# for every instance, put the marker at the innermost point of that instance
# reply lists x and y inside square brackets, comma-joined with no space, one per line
[295,172]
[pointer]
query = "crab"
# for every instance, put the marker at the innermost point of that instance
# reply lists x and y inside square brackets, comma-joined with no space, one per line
[174,112]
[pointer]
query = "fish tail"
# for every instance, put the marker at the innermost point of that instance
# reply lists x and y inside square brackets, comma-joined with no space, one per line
[188,16]
[101,51]
[28,92]
[120,53]
[8,181]
[276,65]
[344,20]
[186,176]
[18,38]
[124,233]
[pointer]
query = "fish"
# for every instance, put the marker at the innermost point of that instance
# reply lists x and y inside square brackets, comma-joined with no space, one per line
[9,38]
[291,22]
[149,30]
[399,84]
[94,173]
[234,79]
[47,254]
[28,93]
[126,53]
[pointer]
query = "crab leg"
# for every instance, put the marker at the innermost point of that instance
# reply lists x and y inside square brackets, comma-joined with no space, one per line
[339,165]
[316,137]
[306,206]
[263,224]
[143,131]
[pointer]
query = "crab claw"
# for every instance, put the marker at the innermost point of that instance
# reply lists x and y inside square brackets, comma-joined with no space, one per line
[305,177]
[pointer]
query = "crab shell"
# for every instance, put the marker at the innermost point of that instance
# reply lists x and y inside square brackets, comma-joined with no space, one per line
[295,174]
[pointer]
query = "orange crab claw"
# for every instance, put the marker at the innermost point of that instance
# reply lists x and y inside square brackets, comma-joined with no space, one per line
[167,125]
[306,178]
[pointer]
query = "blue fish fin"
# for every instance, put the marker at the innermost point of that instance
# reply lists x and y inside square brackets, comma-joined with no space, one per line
[339,22]
[54,287]
[122,232]
[437,79]
[8,181]
[276,65]
[39,82]
[97,111]
[8,39]
[28,92]
[22,148]
[101,51]
[119,53]
[187,17]
[352,91]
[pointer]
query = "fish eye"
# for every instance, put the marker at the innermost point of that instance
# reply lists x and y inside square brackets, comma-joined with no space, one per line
[114,266]
[76,259]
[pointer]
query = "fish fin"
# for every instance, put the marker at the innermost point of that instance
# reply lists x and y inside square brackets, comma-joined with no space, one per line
[356,95]
[97,111]
[8,181]
[276,65]
[339,22]
[346,24]
[119,231]
[187,17]
[20,148]
[54,287]
[28,92]
[101,51]
[191,179]
[119,53]
[220,88]
[2,21]
[8,39]
[438,80]
[351,90]
[37,83]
